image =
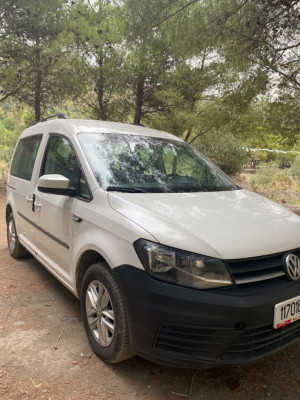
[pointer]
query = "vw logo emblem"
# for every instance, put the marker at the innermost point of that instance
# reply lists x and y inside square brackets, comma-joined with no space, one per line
[292,267]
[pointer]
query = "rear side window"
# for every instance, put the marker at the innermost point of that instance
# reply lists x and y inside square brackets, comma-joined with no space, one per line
[24,157]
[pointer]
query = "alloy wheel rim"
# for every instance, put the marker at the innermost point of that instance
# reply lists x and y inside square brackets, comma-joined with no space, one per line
[100,313]
[11,236]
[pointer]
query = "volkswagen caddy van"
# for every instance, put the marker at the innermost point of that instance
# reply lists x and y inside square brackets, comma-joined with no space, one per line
[169,258]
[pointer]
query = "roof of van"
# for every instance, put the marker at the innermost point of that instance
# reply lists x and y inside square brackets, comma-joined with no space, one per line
[71,127]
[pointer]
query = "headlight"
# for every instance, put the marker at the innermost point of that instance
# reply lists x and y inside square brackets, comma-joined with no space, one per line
[181,267]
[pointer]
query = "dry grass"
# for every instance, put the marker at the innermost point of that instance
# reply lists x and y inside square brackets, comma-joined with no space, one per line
[278,186]
[3,169]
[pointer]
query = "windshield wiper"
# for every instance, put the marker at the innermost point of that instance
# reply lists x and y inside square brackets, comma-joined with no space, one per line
[124,190]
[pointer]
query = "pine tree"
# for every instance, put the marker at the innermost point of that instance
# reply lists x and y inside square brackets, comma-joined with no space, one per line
[34,67]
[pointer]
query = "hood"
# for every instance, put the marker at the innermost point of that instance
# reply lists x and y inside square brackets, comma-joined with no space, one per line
[227,225]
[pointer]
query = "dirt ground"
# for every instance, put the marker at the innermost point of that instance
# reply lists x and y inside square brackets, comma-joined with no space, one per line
[44,353]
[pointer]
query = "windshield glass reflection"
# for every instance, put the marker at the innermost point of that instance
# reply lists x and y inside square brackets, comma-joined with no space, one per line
[131,163]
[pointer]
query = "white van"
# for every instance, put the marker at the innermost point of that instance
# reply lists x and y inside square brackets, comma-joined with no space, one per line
[169,258]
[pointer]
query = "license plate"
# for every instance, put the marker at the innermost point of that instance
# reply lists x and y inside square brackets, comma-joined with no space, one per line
[286,312]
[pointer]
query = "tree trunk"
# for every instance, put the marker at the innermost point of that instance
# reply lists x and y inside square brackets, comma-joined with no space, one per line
[38,83]
[100,89]
[100,95]
[139,99]
[187,135]
[37,95]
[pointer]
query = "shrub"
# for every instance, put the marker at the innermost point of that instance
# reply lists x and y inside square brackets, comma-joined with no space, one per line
[224,150]
[5,153]
[3,169]
[266,174]
[295,168]
[269,175]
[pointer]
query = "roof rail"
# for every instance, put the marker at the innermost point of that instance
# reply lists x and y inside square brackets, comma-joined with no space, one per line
[59,116]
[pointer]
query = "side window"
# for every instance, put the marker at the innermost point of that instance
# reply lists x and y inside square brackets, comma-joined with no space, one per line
[61,159]
[24,157]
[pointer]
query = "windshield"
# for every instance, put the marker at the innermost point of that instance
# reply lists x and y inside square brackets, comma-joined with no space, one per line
[132,163]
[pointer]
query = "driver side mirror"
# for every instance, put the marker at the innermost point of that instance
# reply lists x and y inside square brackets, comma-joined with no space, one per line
[55,184]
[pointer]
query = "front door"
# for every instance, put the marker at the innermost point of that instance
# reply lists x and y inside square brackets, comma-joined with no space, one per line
[54,213]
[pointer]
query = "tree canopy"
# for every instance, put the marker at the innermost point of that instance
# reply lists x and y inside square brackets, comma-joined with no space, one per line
[192,67]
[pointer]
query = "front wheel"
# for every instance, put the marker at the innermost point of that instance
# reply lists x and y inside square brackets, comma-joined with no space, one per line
[15,248]
[104,314]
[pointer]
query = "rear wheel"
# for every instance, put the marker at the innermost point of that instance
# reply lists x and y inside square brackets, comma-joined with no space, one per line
[14,246]
[104,314]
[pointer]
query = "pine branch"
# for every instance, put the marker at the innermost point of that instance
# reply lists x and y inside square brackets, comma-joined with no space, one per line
[172,15]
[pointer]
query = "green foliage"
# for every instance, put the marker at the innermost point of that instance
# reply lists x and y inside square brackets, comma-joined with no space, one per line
[150,57]
[267,124]
[35,67]
[260,33]
[224,150]
[13,120]
[5,154]
[282,119]
[95,29]
[194,68]
[281,158]
[295,168]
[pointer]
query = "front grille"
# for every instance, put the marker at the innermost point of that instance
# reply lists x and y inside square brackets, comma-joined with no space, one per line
[258,269]
[192,342]
[228,346]
[260,341]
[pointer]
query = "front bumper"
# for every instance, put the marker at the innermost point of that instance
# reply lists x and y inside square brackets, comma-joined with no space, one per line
[178,326]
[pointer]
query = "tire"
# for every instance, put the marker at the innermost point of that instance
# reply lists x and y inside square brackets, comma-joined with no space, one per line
[15,248]
[104,315]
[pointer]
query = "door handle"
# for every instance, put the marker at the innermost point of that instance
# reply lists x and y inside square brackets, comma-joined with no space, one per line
[37,205]
[29,199]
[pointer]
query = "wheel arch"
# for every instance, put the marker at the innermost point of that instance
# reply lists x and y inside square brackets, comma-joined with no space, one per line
[8,210]
[88,258]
